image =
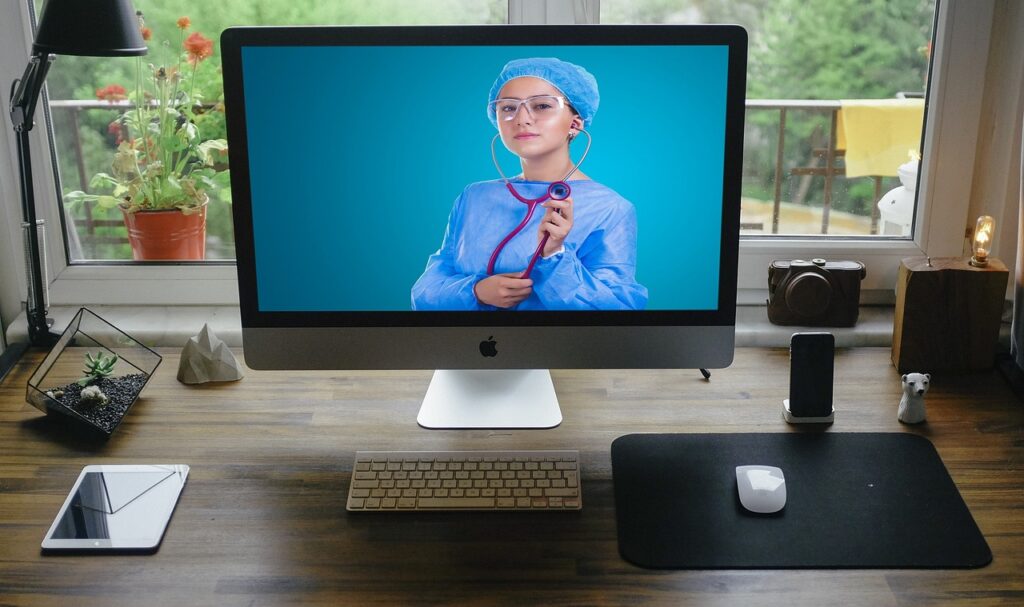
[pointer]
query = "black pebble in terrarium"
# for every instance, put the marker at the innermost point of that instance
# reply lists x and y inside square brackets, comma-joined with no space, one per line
[98,397]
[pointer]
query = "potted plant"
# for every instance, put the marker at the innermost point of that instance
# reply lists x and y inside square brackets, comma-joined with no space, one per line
[164,169]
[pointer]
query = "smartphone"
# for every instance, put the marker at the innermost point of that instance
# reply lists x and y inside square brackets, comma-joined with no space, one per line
[811,366]
[117,509]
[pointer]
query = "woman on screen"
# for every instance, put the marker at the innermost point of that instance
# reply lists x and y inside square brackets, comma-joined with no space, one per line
[579,253]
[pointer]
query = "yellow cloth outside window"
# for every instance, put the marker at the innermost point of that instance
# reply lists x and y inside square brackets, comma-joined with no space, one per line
[878,134]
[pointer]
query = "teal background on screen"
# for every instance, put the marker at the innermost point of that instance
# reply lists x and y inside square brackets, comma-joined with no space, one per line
[357,154]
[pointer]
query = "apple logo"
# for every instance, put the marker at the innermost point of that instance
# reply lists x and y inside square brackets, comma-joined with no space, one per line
[489,347]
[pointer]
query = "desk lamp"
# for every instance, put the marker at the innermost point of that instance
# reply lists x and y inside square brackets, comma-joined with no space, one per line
[99,28]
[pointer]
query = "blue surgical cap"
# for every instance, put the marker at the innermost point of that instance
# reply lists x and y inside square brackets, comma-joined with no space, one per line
[577,84]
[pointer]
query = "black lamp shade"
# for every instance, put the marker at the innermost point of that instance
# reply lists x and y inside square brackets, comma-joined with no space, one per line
[96,28]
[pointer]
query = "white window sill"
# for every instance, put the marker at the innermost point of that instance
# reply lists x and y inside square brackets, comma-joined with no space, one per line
[173,325]
[152,325]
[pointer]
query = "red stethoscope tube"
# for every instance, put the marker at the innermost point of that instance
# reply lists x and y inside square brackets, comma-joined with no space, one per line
[558,190]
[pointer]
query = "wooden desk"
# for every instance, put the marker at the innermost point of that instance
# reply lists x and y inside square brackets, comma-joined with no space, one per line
[262,522]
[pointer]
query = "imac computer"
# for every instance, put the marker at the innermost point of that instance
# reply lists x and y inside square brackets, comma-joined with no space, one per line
[488,202]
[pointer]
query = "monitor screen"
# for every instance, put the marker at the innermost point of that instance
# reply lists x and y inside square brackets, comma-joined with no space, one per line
[405,195]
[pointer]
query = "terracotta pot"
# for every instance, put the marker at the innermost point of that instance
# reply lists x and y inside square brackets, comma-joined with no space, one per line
[163,235]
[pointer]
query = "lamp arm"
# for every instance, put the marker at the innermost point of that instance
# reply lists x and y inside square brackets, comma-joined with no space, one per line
[25,92]
[24,95]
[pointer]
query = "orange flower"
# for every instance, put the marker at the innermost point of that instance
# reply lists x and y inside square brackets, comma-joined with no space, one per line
[146,33]
[184,22]
[198,46]
[111,92]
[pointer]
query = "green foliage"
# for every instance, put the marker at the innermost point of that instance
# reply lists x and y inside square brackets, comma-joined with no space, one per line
[97,367]
[845,49]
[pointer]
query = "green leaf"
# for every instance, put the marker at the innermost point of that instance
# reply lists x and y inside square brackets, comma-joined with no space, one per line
[173,188]
[215,144]
[77,198]
[223,179]
[103,180]
[107,202]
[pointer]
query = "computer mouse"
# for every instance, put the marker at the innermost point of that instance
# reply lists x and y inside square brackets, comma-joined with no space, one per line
[762,489]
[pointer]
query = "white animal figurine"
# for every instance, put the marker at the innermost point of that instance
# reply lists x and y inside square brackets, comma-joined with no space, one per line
[911,410]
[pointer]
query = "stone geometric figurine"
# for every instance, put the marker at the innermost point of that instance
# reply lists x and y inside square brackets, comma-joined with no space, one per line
[911,410]
[206,358]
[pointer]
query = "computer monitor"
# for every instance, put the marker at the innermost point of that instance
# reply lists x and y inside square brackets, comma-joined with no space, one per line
[379,175]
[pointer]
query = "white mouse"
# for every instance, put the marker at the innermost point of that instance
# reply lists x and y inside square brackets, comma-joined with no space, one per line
[762,489]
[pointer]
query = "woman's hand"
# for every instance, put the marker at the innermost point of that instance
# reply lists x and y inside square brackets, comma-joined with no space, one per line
[557,223]
[503,290]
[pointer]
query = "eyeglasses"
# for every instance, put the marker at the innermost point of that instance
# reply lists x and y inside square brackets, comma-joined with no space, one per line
[539,107]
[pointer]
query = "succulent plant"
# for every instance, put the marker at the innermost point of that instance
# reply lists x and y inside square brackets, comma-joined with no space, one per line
[98,367]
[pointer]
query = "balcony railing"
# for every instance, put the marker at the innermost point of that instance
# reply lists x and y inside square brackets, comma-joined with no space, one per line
[828,155]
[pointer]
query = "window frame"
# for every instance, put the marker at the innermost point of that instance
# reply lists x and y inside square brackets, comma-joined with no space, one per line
[963,29]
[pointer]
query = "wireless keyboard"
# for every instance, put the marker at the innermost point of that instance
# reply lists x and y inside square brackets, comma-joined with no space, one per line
[465,480]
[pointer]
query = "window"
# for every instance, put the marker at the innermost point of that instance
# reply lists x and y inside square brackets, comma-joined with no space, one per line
[91,101]
[961,45]
[834,111]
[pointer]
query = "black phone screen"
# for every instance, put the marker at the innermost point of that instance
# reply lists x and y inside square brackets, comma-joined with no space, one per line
[810,374]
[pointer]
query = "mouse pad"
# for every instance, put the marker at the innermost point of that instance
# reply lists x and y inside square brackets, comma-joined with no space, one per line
[853,500]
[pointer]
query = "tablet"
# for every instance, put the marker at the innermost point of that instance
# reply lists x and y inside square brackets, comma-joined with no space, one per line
[117,508]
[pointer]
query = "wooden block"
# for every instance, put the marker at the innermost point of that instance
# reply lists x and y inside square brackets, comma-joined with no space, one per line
[947,314]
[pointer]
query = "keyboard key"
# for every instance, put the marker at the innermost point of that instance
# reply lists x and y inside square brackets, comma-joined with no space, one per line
[557,492]
[453,504]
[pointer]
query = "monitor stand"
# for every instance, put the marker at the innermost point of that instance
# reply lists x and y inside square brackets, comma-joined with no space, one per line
[506,398]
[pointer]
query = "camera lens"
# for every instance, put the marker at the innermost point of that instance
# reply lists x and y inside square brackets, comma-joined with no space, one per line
[808,294]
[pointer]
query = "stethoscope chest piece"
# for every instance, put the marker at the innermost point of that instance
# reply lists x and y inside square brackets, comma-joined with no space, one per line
[559,190]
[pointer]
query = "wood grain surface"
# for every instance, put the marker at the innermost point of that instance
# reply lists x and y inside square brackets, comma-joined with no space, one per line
[262,519]
[947,314]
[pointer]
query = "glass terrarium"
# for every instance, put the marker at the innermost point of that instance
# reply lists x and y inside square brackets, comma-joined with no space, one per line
[93,375]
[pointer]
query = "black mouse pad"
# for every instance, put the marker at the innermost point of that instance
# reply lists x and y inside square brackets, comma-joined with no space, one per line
[853,500]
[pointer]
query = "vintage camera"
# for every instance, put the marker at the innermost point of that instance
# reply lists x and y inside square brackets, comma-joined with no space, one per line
[814,293]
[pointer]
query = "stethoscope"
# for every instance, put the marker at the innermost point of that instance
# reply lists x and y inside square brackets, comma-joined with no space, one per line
[557,190]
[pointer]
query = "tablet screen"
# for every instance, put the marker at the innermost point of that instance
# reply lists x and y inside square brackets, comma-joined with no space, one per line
[117,507]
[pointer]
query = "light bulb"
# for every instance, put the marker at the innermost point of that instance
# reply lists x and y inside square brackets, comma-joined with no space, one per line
[981,244]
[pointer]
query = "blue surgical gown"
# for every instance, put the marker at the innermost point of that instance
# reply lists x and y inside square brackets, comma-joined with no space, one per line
[597,270]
